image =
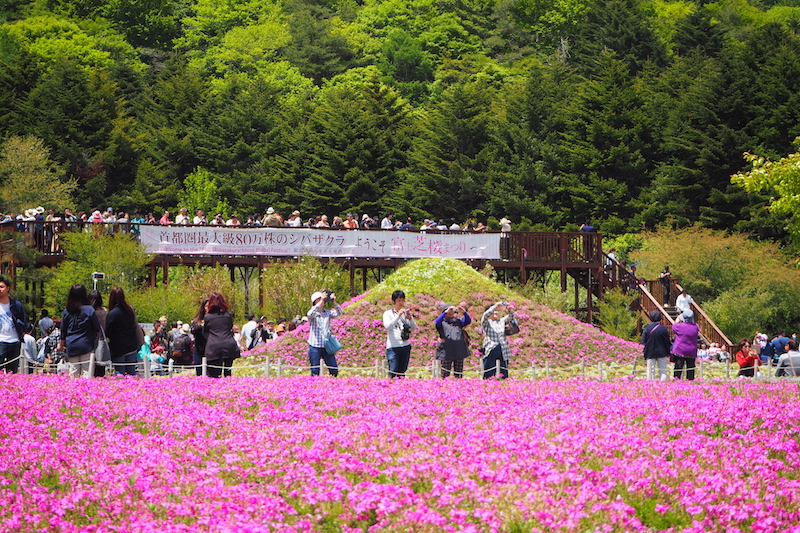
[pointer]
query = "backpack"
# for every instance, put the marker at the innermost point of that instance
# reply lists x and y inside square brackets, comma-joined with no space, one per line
[182,349]
[768,350]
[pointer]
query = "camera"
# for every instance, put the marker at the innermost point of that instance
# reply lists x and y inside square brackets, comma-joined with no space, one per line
[405,334]
[328,298]
[98,275]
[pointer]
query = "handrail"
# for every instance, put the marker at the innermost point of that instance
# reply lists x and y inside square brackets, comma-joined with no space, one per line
[708,328]
[651,304]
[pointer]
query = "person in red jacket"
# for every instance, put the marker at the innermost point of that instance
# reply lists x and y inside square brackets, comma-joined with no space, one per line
[747,358]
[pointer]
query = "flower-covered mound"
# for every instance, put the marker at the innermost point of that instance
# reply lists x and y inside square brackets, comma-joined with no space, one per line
[319,454]
[546,337]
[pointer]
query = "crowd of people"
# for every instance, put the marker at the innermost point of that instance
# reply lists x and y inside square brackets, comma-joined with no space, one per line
[273,218]
[684,350]
[67,342]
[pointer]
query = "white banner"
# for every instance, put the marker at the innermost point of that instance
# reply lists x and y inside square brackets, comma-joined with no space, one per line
[225,240]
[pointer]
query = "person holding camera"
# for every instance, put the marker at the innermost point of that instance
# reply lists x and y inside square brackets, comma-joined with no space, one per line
[319,320]
[454,347]
[495,343]
[399,323]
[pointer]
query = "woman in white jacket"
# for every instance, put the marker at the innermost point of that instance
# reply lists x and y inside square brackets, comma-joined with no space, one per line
[399,323]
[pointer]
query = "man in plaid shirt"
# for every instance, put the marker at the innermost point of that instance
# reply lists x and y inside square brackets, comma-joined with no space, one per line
[495,344]
[319,320]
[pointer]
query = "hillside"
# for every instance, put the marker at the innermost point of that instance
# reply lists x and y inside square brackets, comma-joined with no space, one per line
[546,335]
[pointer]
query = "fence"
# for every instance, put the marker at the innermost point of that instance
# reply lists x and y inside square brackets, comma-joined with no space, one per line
[270,368]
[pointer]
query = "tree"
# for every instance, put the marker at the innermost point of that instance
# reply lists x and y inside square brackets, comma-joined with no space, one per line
[29,178]
[359,140]
[446,177]
[782,177]
[201,192]
[121,258]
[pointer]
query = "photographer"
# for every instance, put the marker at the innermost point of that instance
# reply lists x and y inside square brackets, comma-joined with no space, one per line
[319,320]
[399,324]
[495,343]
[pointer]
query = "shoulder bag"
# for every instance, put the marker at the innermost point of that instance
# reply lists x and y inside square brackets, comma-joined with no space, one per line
[102,352]
[512,328]
[332,344]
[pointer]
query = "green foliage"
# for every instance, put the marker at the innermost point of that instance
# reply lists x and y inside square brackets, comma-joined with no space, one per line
[28,178]
[121,258]
[781,176]
[181,298]
[743,285]
[289,285]
[202,193]
[615,317]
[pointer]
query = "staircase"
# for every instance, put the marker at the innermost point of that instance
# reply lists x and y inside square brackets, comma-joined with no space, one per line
[647,296]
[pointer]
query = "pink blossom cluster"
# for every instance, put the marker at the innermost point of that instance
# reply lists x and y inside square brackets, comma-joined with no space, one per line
[309,454]
[546,336]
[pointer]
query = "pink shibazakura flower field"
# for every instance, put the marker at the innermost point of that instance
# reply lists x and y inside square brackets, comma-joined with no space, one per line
[546,337]
[317,454]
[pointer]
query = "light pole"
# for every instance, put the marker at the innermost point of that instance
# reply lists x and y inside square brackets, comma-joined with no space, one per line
[96,276]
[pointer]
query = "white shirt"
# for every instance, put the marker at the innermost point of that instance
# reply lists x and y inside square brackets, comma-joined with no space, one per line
[386,224]
[8,333]
[199,220]
[182,219]
[684,303]
[505,224]
[393,323]
[295,222]
[247,330]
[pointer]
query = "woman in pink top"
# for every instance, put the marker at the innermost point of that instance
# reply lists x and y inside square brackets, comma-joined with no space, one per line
[165,219]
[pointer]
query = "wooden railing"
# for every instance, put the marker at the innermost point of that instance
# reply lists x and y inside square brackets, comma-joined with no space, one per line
[534,248]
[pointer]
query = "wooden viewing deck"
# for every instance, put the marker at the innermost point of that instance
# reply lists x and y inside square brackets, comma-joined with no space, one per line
[522,254]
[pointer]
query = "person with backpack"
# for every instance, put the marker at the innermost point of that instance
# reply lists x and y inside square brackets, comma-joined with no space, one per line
[182,348]
[657,346]
[248,338]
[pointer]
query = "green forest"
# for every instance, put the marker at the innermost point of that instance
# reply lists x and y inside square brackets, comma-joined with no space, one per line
[630,113]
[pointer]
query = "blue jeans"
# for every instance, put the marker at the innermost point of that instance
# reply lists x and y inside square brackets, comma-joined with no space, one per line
[315,355]
[125,364]
[9,356]
[398,359]
[490,363]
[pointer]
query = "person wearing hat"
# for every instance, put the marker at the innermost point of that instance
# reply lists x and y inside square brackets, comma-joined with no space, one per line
[454,345]
[657,345]
[367,222]
[319,320]
[294,221]
[271,220]
[684,348]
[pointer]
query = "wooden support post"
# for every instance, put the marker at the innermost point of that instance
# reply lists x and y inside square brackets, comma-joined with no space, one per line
[728,368]
[91,365]
[352,268]
[583,367]
[165,267]
[497,370]
[600,369]
[702,375]
[147,366]
[205,366]
[547,369]
[171,367]
[261,300]
[589,303]
[280,368]
[267,365]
